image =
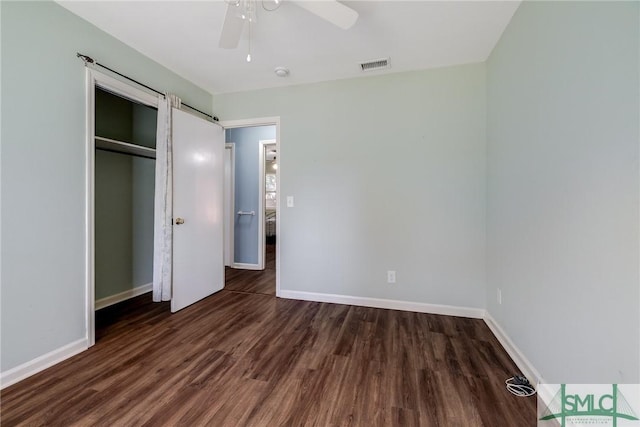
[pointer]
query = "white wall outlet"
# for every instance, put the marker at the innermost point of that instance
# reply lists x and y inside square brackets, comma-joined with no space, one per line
[499,296]
[289,201]
[391,276]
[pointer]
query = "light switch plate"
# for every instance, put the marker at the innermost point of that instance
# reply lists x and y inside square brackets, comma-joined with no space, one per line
[289,201]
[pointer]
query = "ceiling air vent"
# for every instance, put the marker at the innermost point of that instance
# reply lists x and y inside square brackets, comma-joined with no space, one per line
[375,64]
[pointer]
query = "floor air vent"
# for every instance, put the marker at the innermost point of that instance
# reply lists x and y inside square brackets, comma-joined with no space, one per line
[375,64]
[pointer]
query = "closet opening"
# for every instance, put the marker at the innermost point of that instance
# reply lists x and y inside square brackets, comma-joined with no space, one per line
[124,202]
[122,124]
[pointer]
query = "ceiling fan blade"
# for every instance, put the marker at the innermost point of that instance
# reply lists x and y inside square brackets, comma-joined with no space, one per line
[231,29]
[332,11]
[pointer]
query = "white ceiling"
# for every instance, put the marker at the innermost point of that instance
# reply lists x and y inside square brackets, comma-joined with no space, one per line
[183,36]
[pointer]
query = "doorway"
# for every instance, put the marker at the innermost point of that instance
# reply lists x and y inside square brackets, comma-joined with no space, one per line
[121,129]
[253,225]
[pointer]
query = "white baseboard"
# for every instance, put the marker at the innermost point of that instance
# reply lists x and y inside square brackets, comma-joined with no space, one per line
[419,307]
[525,366]
[243,266]
[123,296]
[41,363]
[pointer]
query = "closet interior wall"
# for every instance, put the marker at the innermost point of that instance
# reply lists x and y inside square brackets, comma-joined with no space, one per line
[124,198]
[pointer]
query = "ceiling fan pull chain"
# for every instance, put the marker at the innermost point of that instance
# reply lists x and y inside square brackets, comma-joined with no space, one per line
[249,54]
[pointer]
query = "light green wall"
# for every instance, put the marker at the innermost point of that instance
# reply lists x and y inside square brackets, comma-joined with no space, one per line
[113,116]
[124,222]
[113,198]
[563,133]
[143,175]
[113,223]
[43,169]
[145,120]
[388,173]
[143,180]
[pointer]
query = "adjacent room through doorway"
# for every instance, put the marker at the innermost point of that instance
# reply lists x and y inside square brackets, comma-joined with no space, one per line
[251,198]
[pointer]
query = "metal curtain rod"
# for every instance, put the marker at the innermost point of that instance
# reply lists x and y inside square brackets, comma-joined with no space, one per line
[89,60]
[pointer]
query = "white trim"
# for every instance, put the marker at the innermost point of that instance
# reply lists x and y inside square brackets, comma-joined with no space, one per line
[243,123]
[123,89]
[278,208]
[260,205]
[262,241]
[244,266]
[96,79]
[41,363]
[419,307]
[518,357]
[123,296]
[229,124]
[90,289]
[229,223]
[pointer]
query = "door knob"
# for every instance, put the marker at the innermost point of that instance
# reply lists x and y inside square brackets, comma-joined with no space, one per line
[179,221]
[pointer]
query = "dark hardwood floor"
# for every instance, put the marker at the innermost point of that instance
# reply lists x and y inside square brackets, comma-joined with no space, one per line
[241,359]
[254,281]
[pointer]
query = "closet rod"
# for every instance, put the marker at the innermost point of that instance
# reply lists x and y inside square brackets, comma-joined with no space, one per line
[89,60]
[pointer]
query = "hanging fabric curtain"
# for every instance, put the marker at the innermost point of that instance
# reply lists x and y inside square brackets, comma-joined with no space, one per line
[163,205]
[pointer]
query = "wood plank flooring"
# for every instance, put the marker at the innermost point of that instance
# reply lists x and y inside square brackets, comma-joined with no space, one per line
[255,281]
[240,359]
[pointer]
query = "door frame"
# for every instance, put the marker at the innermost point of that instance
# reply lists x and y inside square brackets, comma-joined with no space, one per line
[266,121]
[262,241]
[230,210]
[94,79]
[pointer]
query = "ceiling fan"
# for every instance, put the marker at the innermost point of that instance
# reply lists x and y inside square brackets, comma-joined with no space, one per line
[241,11]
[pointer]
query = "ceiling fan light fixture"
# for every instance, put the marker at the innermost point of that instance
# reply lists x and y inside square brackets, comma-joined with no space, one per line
[241,11]
[247,10]
[281,71]
[271,5]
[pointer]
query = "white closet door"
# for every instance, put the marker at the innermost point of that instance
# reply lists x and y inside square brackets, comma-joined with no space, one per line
[198,171]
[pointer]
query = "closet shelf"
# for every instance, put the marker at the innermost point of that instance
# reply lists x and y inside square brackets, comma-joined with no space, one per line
[124,147]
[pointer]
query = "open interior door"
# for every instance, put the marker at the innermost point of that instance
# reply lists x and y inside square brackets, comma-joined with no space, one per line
[198,171]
